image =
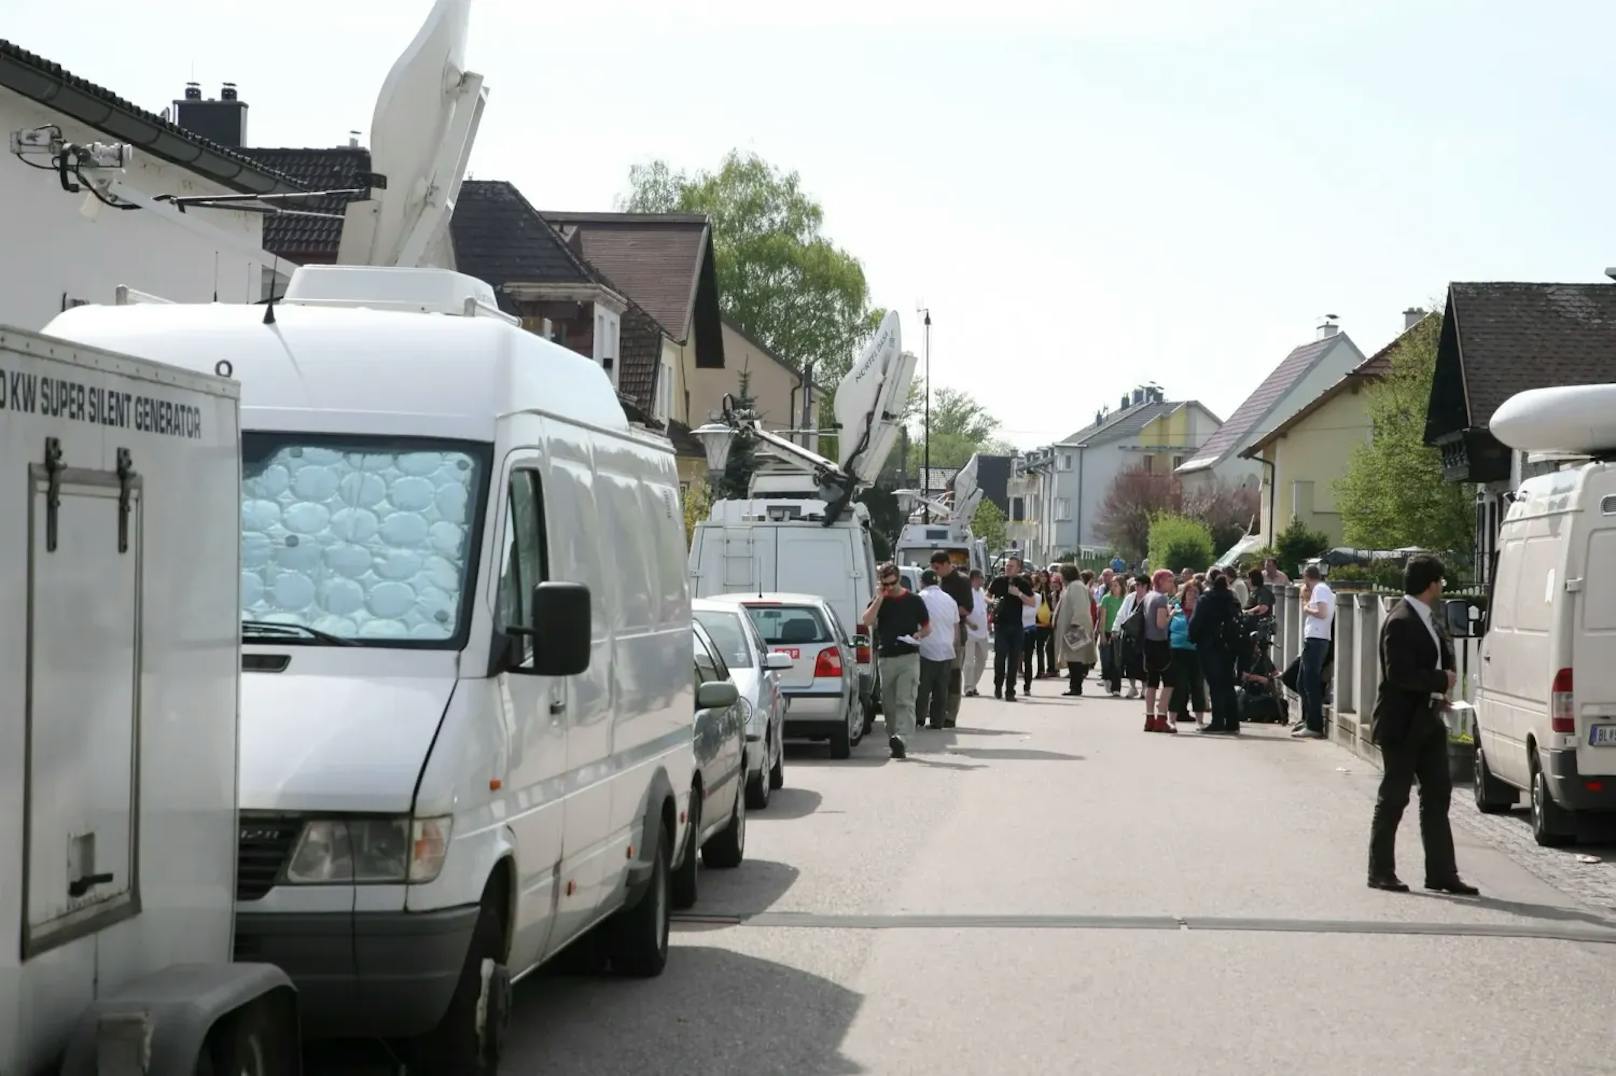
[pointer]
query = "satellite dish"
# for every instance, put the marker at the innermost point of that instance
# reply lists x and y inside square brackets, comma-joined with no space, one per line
[421,135]
[1575,419]
[870,400]
[965,507]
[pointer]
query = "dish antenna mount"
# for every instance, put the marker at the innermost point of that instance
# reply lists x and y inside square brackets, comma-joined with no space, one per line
[421,136]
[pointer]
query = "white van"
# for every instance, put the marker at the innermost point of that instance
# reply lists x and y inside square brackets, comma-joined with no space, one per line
[1546,701]
[466,728]
[771,546]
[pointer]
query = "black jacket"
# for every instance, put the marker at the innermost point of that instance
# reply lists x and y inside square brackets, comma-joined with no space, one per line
[1215,609]
[1408,674]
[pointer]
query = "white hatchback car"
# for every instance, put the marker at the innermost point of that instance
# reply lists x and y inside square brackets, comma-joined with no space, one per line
[756,671]
[821,683]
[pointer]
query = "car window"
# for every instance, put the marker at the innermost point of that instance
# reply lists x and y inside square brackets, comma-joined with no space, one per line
[729,638]
[789,625]
[706,667]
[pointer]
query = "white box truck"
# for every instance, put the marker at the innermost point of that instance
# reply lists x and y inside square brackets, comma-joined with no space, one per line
[119,667]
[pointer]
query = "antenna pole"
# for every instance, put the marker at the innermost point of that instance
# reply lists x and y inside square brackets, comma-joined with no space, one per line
[925,465]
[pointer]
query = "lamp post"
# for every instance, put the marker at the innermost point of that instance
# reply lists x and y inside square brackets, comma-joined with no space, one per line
[925,463]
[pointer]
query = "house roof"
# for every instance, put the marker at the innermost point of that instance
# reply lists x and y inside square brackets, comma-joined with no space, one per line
[663,261]
[1499,339]
[1373,368]
[302,238]
[51,85]
[1121,423]
[1234,435]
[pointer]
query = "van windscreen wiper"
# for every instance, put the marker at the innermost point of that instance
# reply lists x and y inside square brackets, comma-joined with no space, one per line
[279,630]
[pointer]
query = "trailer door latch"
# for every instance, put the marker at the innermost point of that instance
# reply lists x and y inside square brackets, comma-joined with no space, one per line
[53,489]
[126,472]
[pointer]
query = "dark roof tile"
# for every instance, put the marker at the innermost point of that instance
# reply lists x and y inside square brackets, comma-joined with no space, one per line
[1260,405]
[656,257]
[302,238]
[501,239]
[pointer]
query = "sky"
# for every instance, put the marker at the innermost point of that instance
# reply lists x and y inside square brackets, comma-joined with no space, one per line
[1087,195]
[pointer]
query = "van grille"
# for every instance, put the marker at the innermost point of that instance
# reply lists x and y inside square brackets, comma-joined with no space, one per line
[264,844]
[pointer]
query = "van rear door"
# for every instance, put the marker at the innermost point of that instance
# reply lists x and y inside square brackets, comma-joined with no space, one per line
[819,561]
[1594,641]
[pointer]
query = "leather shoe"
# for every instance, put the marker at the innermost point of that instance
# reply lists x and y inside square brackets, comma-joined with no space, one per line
[1456,886]
[1389,883]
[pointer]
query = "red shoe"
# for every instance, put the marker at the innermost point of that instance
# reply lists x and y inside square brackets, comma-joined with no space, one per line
[1167,725]
[1150,725]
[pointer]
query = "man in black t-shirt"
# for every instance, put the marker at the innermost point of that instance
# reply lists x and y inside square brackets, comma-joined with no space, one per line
[900,621]
[957,585]
[1010,592]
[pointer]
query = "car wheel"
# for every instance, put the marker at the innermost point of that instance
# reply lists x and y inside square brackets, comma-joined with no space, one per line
[757,789]
[1552,825]
[1492,795]
[728,847]
[857,723]
[470,1037]
[777,772]
[639,937]
[841,742]
[684,875]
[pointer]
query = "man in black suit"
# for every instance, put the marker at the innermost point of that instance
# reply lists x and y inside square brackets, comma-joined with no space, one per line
[1416,662]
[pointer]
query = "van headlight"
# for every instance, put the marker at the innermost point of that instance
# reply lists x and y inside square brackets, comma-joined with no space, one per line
[335,850]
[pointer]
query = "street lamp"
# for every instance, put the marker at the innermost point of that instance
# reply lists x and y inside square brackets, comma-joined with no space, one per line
[925,463]
[716,439]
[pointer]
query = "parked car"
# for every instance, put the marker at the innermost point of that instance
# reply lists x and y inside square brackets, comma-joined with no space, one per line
[717,826]
[821,687]
[756,672]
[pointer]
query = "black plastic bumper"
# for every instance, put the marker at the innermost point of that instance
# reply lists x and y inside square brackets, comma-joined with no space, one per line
[367,974]
[1573,791]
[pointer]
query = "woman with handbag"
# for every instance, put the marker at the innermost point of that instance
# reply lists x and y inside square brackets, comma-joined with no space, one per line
[1038,619]
[1057,590]
[1188,686]
[1074,631]
[1130,634]
[1110,661]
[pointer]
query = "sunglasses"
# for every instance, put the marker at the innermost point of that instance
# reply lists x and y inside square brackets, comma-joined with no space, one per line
[889,582]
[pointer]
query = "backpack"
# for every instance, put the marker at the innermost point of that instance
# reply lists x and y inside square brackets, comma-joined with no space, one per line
[1133,628]
[1231,634]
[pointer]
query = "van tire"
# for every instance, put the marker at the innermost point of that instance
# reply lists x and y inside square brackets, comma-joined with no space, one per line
[464,1044]
[258,1039]
[639,935]
[684,875]
[728,846]
[1552,825]
[1492,795]
[841,743]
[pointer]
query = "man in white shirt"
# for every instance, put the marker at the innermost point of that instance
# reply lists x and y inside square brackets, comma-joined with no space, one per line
[936,653]
[1318,618]
[976,634]
[1103,586]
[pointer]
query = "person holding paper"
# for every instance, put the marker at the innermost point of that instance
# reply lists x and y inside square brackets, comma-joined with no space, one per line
[900,620]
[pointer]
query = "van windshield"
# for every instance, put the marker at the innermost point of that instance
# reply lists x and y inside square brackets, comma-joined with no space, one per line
[358,539]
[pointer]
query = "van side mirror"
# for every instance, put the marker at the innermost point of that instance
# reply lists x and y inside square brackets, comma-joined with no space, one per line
[716,695]
[1458,614]
[560,627]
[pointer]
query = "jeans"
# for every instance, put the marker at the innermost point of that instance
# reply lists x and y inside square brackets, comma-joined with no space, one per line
[976,662]
[1187,684]
[1032,653]
[1076,671]
[900,679]
[1422,755]
[1218,668]
[956,678]
[931,697]
[1007,644]
[1312,682]
[1046,651]
[1110,665]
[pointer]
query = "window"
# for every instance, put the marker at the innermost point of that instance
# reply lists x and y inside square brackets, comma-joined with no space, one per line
[730,638]
[788,625]
[1066,461]
[367,538]
[524,560]
[1150,464]
[1063,510]
[1018,510]
[664,393]
[1178,461]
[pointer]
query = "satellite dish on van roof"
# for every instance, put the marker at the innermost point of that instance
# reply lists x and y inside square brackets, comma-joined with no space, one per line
[420,139]
[1577,419]
[870,400]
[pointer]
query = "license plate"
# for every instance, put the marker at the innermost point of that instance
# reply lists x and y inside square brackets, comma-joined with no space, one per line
[790,651]
[1602,736]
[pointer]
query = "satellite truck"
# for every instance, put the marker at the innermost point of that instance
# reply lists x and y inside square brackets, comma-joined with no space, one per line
[799,530]
[119,669]
[948,529]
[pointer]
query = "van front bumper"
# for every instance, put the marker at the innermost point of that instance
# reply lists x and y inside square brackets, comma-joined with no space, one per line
[1572,790]
[363,974]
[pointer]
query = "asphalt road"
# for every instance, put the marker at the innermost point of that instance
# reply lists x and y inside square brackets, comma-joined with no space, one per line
[1048,890]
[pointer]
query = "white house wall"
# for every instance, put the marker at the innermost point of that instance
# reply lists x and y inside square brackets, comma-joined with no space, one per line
[52,250]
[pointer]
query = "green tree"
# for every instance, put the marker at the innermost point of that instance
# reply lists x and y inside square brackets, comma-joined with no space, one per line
[1132,503]
[960,428]
[989,525]
[737,478]
[1179,542]
[1295,545]
[698,502]
[779,278]
[1394,494]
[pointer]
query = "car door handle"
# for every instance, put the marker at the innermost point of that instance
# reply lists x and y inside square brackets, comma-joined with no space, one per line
[557,707]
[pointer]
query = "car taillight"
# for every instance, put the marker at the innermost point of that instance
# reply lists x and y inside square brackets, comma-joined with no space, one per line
[829,663]
[861,650]
[1562,718]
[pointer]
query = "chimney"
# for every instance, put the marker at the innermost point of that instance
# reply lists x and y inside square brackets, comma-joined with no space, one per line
[1412,317]
[223,121]
[1124,403]
[1138,396]
[353,139]
[1328,327]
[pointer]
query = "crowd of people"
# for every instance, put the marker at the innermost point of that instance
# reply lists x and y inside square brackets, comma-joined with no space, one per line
[1184,642]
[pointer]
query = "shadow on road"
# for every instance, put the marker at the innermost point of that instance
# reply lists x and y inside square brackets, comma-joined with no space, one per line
[787,803]
[1026,754]
[699,1016]
[1549,912]
[755,885]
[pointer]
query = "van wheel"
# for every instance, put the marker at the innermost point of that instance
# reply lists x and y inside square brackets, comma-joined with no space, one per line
[470,1037]
[639,935]
[777,772]
[684,876]
[1492,795]
[259,1039]
[728,847]
[1552,825]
